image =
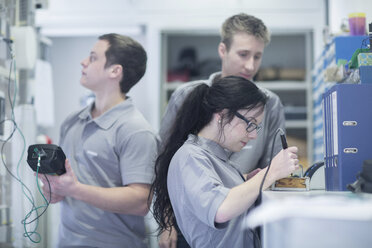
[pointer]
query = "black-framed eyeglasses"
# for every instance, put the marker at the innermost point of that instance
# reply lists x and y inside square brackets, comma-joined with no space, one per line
[250,125]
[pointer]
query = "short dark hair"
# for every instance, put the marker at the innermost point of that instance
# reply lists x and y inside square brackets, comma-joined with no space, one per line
[243,23]
[128,53]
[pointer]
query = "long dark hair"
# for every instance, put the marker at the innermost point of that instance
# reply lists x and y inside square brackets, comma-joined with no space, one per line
[231,93]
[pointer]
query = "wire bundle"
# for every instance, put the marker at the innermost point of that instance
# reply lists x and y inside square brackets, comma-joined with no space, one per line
[26,191]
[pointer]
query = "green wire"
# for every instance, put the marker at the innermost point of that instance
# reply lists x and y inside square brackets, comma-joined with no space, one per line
[27,233]
[30,198]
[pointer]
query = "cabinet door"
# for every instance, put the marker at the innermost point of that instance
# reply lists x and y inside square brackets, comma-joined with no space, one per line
[187,56]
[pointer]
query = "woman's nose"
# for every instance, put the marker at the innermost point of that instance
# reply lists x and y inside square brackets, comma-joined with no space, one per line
[253,134]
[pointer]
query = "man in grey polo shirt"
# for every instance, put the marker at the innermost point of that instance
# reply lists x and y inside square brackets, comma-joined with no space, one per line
[243,39]
[111,151]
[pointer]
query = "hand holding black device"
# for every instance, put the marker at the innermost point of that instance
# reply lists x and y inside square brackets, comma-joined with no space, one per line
[52,158]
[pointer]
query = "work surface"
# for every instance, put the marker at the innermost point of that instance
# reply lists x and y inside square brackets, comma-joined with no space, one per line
[313,219]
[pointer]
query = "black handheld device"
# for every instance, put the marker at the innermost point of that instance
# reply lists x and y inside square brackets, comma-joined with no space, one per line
[52,158]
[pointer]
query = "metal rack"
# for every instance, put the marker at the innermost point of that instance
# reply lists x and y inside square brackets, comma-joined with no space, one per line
[341,47]
[288,48]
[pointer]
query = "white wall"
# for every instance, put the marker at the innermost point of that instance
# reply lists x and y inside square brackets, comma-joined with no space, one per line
[339,9]
[92,17]
[66,55]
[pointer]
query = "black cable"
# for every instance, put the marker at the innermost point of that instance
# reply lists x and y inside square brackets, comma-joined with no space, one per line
[14,128]
[28,192]
[256,237]
[12,61]
[259,198]
[256,231]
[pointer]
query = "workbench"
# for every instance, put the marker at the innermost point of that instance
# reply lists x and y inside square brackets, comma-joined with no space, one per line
[315,218]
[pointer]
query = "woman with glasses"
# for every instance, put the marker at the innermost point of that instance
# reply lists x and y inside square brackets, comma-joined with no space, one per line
[196,183]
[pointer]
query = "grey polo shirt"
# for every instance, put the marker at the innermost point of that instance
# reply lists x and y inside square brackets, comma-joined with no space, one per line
[199,178]
[256,154]
[116,149]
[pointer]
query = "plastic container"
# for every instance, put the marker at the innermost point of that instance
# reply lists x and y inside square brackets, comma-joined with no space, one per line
[357,23]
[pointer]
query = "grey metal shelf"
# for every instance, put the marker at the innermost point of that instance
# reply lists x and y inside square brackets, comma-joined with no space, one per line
[288,49]
[284,85]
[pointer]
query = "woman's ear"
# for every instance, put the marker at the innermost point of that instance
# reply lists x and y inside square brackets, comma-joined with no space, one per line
[216,119]
[220,115]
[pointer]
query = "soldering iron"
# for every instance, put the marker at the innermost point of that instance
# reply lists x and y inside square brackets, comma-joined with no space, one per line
[283,139]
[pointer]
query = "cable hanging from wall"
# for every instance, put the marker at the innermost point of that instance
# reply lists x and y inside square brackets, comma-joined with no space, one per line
[29,232]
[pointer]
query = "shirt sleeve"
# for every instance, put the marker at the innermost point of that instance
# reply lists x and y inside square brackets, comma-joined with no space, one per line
[137,158]
[202,188]
[170,114]
[174,104]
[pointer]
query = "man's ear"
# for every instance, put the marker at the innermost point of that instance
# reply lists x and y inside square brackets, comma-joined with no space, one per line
[222,50]
[116,70]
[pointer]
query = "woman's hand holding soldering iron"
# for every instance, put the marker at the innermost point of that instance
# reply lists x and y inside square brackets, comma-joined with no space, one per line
[283,164]
[60,186]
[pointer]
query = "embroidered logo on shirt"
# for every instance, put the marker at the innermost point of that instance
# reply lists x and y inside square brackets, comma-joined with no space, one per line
[247,147]
[94,154]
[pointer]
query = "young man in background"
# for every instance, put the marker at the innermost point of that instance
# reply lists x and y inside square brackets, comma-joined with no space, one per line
[243,39]
[110,150]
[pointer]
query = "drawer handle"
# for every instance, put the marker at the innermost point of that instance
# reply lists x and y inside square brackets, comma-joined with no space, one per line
[350,150]
[350,123]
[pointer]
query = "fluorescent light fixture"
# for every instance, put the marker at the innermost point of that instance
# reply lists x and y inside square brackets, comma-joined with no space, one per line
[90,31]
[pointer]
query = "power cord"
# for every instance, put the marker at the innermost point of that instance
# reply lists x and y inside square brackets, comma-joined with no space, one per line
[259,198]
[256,231]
